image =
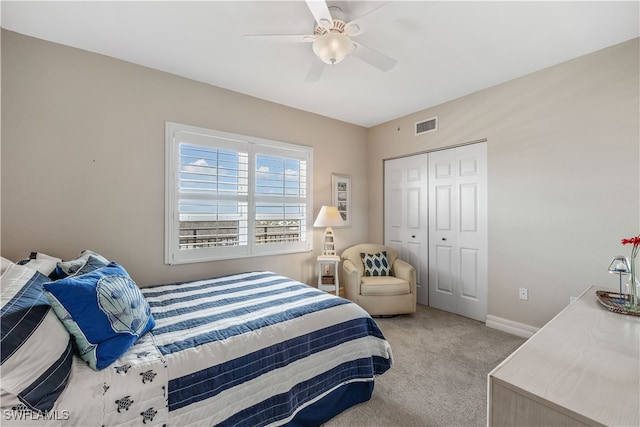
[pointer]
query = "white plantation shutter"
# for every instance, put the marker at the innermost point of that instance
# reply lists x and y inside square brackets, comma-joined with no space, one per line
[213,196]
[280,200]
[231,196]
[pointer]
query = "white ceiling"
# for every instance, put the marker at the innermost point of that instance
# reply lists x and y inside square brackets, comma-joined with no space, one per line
[444,49]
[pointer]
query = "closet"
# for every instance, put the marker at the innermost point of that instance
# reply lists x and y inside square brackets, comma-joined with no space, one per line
[435,215]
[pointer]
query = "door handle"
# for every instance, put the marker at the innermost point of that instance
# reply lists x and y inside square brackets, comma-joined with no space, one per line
[444,239]
[413,236]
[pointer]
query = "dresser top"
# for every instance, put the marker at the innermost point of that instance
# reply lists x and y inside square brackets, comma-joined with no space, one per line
[585,361]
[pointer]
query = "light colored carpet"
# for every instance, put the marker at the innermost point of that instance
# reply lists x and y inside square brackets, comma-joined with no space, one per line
[439,375]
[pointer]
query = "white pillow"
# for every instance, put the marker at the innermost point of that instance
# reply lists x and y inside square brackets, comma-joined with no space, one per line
[4,263]
[44,263]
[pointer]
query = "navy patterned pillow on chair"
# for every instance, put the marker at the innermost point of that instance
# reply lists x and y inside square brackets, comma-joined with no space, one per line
[375,264]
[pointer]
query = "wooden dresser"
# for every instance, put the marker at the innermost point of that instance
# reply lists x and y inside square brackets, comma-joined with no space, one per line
[581,368]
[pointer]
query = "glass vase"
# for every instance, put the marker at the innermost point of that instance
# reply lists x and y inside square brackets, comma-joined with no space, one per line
[632,286]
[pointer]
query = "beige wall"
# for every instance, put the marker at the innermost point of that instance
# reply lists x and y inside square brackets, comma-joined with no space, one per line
[83,163]
[563,175]
[83,158]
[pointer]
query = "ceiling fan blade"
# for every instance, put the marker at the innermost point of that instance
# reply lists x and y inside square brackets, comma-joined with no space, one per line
[372,57]
[315,71]
[320,12]
[372,19]
[281,38]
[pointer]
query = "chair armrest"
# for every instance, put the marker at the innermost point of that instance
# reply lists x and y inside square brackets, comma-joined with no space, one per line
[351,278]
[405,271]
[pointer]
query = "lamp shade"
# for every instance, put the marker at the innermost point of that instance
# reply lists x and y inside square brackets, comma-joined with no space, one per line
[332,48]
[328,217]
[620,264]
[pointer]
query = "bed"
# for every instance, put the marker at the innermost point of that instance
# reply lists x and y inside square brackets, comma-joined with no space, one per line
[247,349]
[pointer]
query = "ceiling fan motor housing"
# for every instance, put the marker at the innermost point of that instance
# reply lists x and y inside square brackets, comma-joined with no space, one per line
[337,26]
[334,45]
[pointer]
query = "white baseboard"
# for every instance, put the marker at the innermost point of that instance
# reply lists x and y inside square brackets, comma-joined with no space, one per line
[506,325]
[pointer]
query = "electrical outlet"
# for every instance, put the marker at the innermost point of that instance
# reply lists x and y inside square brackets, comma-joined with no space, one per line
[524,294]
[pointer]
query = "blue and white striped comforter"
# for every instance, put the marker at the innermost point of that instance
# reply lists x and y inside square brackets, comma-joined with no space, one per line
[255,348]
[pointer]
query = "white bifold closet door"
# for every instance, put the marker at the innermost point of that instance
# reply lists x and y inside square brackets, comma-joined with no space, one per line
[405,215]
[458,230]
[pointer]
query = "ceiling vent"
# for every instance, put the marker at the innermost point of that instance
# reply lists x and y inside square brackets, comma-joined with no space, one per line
[429,125]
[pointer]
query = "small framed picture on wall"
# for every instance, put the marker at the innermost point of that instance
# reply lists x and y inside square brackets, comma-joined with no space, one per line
[341,196]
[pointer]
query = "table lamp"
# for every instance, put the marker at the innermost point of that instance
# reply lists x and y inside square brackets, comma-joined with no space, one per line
[328,217]
[620,265]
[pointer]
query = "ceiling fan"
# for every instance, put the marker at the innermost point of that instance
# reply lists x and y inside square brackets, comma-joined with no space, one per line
[332,39]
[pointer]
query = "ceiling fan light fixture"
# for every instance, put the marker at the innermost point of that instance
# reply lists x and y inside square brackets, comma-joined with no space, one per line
[332,47]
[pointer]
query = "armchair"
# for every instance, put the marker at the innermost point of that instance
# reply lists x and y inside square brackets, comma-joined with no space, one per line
[379,295]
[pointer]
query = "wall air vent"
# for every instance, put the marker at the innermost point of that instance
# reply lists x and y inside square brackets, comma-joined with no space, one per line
[429,125]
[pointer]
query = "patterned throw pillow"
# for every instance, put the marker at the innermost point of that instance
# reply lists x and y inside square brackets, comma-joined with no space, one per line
[104,310]
[375,264]
[86,262]
[36,349]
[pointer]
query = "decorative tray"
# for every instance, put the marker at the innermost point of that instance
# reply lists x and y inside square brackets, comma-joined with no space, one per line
[611,300]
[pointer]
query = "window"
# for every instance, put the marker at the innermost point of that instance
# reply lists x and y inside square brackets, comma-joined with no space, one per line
[231,196]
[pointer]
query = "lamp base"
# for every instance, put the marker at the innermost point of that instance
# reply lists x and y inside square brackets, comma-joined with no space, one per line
[328,245]
[621,300]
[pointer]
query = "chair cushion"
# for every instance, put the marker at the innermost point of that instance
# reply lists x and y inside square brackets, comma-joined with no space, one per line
[383,285]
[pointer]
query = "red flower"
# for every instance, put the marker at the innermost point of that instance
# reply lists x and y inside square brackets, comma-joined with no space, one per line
[635,241]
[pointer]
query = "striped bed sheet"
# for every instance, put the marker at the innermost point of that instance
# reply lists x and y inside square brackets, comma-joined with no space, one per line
[258,348]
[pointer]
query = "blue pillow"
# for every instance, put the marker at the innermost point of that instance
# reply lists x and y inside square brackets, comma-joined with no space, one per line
[36,348]
[376,264]
[104,311]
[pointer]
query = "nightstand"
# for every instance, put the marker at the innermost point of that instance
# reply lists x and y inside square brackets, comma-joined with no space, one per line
[328,273]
